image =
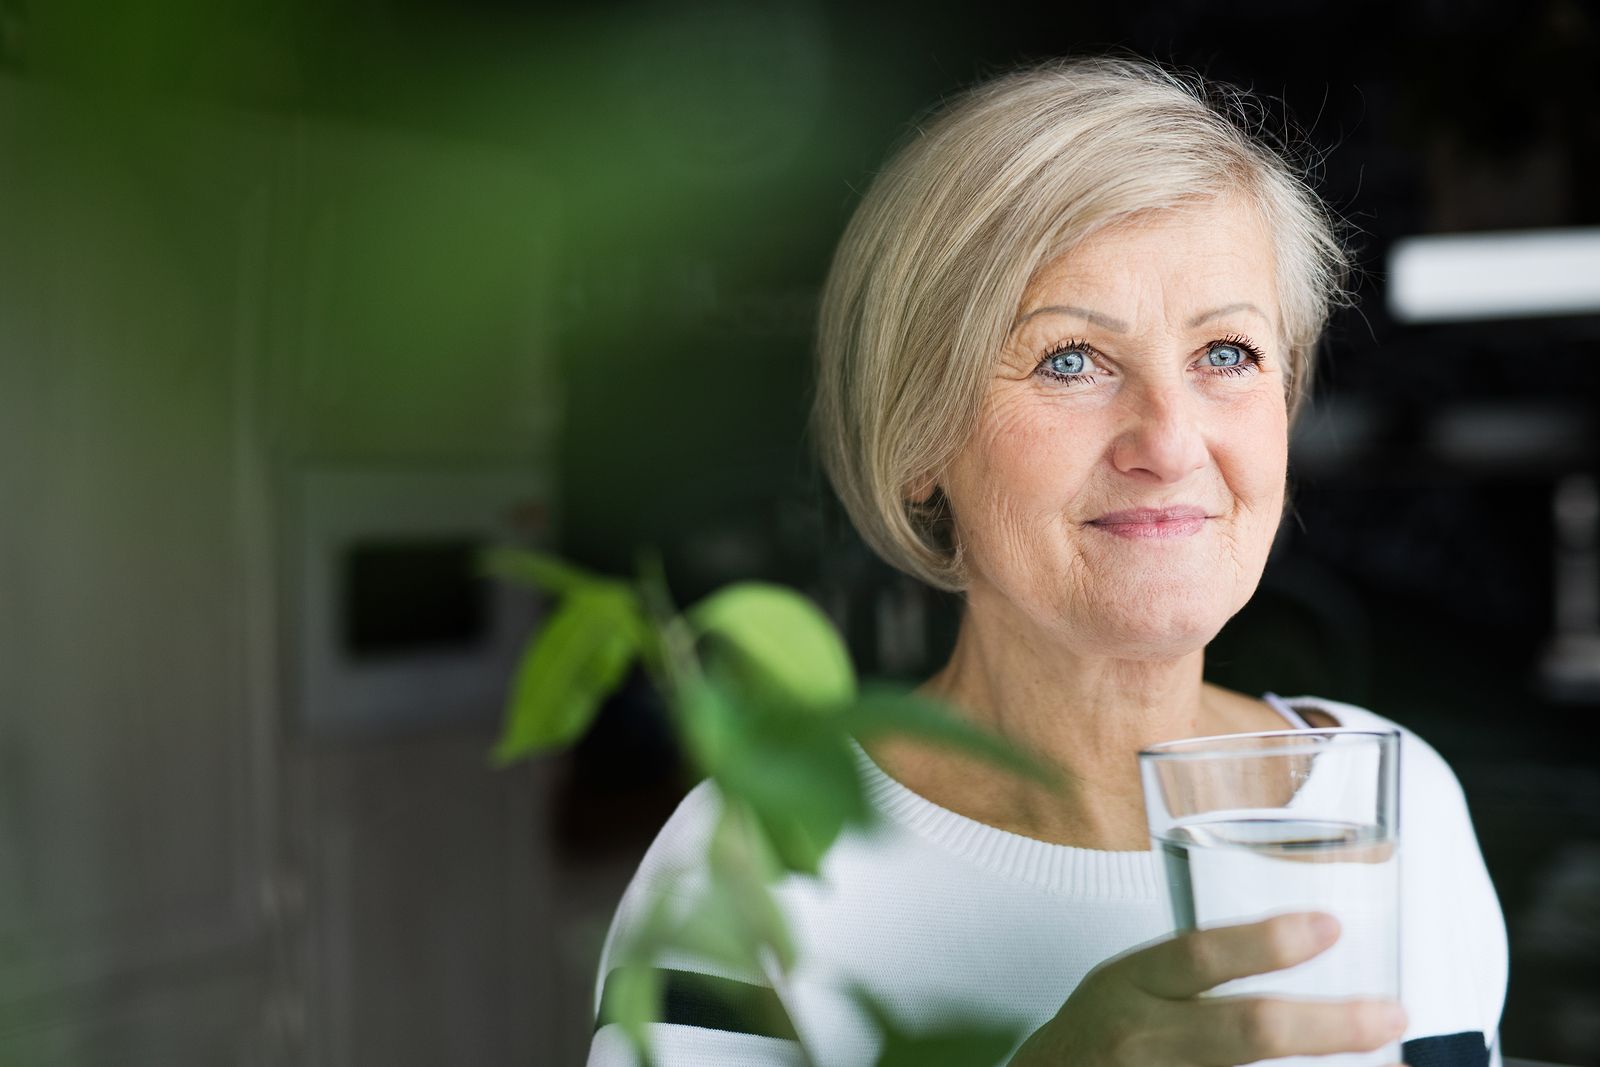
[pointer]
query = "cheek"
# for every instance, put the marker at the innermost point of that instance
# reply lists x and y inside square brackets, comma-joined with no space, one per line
[1254,458]
[1264,434]
[1024,461]
[1013,485]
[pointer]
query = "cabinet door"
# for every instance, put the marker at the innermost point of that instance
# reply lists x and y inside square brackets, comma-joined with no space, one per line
[136,774]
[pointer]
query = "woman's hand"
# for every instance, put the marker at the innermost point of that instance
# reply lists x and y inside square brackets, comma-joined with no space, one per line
[1143,1008]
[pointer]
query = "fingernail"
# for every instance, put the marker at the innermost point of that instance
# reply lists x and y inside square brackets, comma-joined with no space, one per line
[1324,926]
[1394,1017]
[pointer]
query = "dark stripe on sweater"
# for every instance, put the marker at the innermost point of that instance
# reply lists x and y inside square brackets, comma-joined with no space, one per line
[704,1000]
[1466,1049]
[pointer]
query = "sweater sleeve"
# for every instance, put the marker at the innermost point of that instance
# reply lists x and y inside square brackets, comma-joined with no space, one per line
[1453,951]
[1453,938]
[711,1018]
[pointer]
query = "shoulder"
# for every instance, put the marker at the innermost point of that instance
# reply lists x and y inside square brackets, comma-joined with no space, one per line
[679,848]
[1422,765]
[673,866]
[1350,715]
[1431,798]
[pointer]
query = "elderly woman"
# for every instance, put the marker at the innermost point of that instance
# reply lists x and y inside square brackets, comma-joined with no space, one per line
[1061,346]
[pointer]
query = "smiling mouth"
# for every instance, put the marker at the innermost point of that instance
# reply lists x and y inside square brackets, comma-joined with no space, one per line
[1161,529]
[1169,513]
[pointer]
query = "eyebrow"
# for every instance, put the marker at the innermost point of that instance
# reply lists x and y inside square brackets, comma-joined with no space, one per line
[1118,326]
[1093,317]
[1227,309]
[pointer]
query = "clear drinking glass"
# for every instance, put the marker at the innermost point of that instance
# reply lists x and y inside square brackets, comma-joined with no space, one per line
[1252,825]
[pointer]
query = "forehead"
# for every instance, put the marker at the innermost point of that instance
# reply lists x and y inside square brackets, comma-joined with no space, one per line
[1219,251]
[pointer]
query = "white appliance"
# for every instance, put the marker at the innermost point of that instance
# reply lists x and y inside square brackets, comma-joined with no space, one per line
[396,629]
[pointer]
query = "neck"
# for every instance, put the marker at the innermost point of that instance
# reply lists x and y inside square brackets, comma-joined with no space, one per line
[1087,716]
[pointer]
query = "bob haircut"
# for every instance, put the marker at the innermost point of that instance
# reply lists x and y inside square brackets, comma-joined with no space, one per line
[1002,179]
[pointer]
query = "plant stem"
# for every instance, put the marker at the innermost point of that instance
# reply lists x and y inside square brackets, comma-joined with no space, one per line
[670,659]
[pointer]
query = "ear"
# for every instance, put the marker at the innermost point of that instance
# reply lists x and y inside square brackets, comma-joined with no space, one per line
[919,492]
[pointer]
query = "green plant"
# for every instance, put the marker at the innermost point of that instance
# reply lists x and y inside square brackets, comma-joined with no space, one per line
[764,700]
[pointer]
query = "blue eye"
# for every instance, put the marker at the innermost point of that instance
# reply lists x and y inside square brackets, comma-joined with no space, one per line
[1234,357]
[1071,361]
[1070,364]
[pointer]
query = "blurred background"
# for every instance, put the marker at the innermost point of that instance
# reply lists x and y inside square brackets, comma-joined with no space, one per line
[301,303]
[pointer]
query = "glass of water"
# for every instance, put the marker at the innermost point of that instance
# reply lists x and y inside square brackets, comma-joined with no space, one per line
[1252,825]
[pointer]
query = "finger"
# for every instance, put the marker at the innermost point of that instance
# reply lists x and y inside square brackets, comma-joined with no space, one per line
[1246,1029]
[1194,962]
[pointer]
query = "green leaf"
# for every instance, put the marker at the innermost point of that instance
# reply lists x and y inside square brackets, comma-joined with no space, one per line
[741,868]
[734,916]
[882,710]
[710,725]
[782,637]
[540,570]
[807,804]
[579,656]
[712,931]
[795,772]
[799,777]
[957,1042]
[633,995]
[730,920]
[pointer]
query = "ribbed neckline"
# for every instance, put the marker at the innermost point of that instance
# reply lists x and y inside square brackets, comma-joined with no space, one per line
[1080,872]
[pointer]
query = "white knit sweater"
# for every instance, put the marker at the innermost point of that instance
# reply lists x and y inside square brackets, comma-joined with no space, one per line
[936,914]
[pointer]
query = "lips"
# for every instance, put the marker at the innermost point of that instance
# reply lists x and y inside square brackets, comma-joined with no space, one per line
[1177,513]
[1153,524]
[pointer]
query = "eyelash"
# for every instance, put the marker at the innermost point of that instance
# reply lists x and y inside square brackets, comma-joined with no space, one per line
[1253,358]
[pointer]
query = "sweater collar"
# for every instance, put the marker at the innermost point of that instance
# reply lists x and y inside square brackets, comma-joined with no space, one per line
[1079,872]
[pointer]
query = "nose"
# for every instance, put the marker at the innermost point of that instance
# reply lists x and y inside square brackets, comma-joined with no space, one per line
[1162,440]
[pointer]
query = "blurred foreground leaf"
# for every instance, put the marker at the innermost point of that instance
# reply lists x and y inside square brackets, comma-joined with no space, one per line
[711,725]
[580,656]
[742,867]
[783,639]
[746,700]
[795,771]
[732,926]
[633,995]
[882,710]
[541,571]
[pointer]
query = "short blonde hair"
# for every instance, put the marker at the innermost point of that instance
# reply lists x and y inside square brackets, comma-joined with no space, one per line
[1004,178]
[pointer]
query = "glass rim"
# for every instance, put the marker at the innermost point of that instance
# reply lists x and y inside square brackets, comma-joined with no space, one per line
[1185,748]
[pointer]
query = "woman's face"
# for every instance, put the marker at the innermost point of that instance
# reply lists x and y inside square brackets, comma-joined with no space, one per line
[1144,370]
